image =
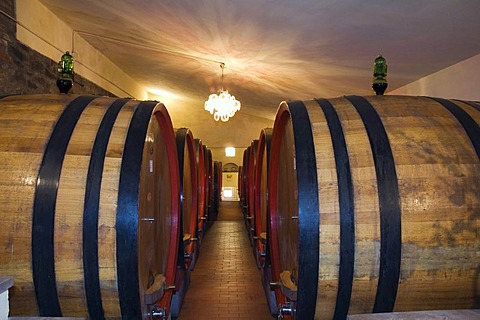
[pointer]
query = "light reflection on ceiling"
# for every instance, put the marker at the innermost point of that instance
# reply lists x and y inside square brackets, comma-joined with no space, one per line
[274,50]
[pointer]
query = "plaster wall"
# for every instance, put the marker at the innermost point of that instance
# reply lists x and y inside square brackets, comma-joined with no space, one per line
[459,81]
[218,154]
[50,36]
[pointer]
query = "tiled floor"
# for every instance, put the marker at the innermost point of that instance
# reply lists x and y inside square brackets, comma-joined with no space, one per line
[226,283]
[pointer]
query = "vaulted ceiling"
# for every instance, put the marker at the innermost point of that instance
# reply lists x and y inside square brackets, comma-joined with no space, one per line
[274,50]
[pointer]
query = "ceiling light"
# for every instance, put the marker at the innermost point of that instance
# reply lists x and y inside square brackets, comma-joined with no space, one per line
[230,151]
[222,105]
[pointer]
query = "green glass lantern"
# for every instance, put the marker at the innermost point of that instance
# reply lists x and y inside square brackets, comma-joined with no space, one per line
[65,73]
[379,83]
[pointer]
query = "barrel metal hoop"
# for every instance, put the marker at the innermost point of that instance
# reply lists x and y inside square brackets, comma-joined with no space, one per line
[91,208]
[346,207]
[127,212]
[389,203]
[469,125]
[43,216]
[472,104]
[308,210]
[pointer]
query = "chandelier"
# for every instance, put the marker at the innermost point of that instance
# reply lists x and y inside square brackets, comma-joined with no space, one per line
[222,105]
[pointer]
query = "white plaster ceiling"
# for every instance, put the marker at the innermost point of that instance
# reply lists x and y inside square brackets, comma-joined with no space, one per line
[274,50]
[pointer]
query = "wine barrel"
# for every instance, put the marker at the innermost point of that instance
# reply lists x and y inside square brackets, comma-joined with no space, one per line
[209,186]
[250,219]
[89,194]
[245,162]
[217,189]
[239,184]
[375,205]
[187,164]
[261,216]
[201,181]
[207,167]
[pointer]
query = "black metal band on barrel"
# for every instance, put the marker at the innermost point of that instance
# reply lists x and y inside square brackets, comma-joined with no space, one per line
[346,206]
[469,125]
[473,104]
[308,210]
[127,213]
[90,211]
[43,219]
[389,202]
[180,139]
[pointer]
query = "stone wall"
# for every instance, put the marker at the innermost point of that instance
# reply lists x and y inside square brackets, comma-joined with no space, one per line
[25,71]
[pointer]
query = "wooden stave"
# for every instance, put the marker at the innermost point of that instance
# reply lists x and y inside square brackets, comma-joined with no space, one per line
[94,109]
[404,301]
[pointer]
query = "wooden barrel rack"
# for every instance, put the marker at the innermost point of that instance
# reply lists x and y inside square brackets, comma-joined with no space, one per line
[374,205]
[90,206]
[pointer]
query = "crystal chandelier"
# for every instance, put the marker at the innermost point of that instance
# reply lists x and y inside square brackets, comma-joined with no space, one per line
[222,105]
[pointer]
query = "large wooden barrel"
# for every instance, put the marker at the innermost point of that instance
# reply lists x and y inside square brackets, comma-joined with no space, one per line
[187,163]
[261,216]
[201,181]
[375,205]
[209,166]
[239,184]
[245,163]
[89,195]
[217,190]
[252,156]
[209,189]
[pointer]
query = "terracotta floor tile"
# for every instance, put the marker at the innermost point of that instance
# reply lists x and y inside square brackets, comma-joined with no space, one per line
[226,283]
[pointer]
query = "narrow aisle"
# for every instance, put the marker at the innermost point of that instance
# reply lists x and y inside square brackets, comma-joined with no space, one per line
[226,283]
